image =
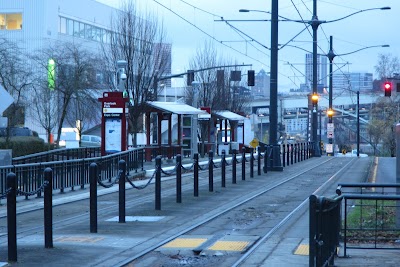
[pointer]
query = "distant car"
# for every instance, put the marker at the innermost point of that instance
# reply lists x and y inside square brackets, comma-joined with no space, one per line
[16,131]
[353,153]
[90,141]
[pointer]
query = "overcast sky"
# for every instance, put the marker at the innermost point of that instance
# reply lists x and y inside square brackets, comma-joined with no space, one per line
[368,28]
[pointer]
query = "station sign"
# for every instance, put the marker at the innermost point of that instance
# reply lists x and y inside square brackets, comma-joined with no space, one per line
[330,130]
[114,125]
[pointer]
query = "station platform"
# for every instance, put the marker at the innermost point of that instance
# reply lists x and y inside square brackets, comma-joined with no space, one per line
[115,242]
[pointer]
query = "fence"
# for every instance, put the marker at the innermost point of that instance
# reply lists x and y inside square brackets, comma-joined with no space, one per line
[371,218]
[59,155]
[69,173]
[361,216]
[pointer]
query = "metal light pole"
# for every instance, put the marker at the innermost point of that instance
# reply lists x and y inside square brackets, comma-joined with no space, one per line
[273,108]
[194,145]
[358,123]
[314,24]
[331,55]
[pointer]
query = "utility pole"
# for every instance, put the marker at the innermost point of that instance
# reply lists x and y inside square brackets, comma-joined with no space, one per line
[315,23]
[273,108]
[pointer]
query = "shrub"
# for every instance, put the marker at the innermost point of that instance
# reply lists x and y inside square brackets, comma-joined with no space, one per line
[24,145]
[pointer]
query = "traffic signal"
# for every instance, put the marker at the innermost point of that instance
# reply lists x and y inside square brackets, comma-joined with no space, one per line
[388,88]
[220,79]
[250,77]
[190,77]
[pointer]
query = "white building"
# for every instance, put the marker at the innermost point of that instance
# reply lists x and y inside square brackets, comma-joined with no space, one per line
[34,24]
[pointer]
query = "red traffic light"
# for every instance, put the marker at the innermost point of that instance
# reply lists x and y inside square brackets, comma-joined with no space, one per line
[388,88]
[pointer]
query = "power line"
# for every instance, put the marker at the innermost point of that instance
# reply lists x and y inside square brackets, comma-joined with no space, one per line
[207,34]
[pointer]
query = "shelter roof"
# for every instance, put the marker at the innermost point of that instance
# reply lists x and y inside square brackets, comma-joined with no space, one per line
[226,114]
[175,108]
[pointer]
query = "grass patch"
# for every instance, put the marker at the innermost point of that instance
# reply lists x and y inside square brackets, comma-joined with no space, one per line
[372,221]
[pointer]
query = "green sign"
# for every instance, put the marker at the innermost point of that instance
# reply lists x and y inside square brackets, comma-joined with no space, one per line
[51,74]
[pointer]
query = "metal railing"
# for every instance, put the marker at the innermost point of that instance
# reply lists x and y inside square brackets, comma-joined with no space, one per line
[70,173]
[59,155]
[371,218]
[361,216]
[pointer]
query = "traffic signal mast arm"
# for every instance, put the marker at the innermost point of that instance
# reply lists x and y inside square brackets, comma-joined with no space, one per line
[194,71]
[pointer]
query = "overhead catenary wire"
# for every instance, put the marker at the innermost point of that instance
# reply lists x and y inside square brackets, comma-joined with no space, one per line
[207,34]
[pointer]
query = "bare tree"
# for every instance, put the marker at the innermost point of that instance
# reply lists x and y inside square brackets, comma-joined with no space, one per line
[16,78]
[81,111]
[75,73]
[218,93]
[384,115]
[139,39]
[387,65]
[45,108]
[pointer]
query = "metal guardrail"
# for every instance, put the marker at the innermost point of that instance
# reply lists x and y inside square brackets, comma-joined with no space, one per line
[69,173]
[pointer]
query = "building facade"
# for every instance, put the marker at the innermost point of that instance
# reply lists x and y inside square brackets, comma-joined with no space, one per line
[355,81]
[261,86]
[322,72]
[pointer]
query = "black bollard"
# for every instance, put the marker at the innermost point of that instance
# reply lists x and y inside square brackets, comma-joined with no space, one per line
[234,166]
[298,152]
[259,160]
[287,153]
[121,190]
[223,169]
[252,163]
[291,153]
[93,172]
[284,155]
[243,163]
[48,208]
[158,184]
[265,159]
[82,174]
[12,216]
[196,174]
[178,178]
[210,172]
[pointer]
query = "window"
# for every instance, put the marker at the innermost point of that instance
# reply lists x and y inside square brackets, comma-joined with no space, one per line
[70,27]
[11,21]
[76,28]
[63,25]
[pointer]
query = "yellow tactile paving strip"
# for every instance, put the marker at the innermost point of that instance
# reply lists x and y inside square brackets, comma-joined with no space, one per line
[230,245]
[185,243]
[80,239]
[302,249]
